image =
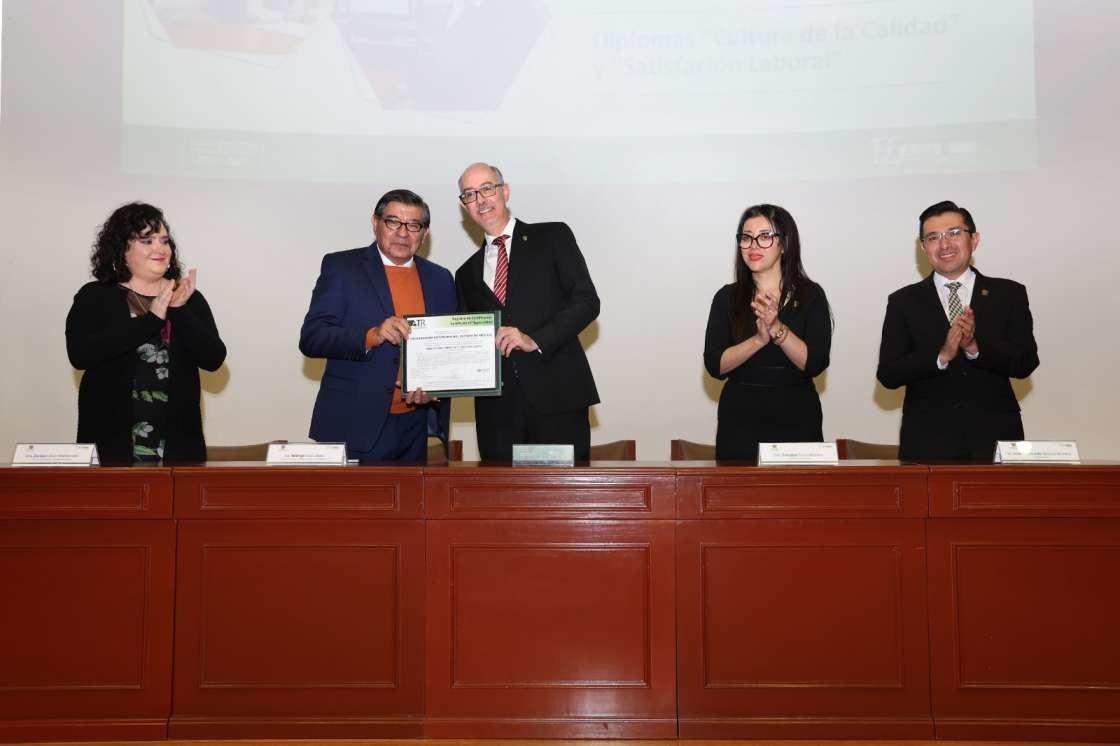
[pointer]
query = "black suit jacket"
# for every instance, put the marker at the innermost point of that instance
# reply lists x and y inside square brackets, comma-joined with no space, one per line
[551,298]
[961,411]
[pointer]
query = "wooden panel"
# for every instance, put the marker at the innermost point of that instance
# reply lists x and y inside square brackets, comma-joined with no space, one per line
[845,491]
[76,492]
[1023,627]
[560,629]
[299,628]
[85,637]
[1025,491]
[230,490]
[802,629]
[472,491]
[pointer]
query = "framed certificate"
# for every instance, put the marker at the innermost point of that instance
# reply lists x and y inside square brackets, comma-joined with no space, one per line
[453,355]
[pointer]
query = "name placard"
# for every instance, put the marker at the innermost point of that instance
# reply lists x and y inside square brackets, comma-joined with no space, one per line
[313,454]
[797,453]
[55,454]
[1036,452]
[559,454]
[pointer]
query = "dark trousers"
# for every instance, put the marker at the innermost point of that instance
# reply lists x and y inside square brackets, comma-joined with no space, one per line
[955,434]
[502,421]
[404,438]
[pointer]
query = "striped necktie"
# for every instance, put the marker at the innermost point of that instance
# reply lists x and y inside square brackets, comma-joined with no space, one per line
[501,270]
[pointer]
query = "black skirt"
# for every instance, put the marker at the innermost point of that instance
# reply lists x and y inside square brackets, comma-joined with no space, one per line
[749,415]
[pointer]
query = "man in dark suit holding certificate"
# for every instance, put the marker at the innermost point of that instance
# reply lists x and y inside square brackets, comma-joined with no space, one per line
[954,340]
[536,276]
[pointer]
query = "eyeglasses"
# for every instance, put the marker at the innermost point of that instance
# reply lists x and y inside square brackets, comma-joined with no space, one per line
[764,240]
[394,224]
[486,190]
[932,238]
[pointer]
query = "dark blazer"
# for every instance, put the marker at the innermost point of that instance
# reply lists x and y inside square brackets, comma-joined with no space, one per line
[351,295]
[551,298]
[959,412]
[101,339]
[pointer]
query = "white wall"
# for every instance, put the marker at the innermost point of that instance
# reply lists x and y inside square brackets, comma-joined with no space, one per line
[658,240]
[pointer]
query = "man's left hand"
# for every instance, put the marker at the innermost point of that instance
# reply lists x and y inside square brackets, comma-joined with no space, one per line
[511,338]
[418,397]
[967,324]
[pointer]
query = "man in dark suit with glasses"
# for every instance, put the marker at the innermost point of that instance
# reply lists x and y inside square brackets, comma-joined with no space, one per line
[954,340]
[535,274]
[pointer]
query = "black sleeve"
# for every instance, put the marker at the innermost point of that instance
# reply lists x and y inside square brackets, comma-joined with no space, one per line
[99,328]
[1010,350]
[818,332]
[717,337]
[902,358]
[581,301]
[193,324]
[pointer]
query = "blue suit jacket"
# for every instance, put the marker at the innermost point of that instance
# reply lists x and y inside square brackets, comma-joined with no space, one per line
[350,296]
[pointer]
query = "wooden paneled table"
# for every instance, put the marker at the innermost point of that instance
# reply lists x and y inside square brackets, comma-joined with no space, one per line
[801,605]
[299,602]
[1024,572]
[621,600]
[550,602]
[87,565]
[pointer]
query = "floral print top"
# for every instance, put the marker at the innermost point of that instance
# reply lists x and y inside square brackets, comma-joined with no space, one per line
[149,387]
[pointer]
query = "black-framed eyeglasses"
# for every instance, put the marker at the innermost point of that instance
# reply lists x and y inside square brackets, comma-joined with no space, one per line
[764,240]
[486,190]
[394,224]
[931,238]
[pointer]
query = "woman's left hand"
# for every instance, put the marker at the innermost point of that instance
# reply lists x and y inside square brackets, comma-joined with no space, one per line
[184,290]
[765,308]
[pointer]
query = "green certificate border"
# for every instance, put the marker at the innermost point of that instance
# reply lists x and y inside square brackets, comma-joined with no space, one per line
[486,318]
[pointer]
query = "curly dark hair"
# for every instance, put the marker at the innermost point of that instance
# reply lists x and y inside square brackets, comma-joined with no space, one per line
[134,220]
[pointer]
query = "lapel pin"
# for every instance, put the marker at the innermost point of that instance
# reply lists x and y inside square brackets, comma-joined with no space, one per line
[524,238]
[983,291]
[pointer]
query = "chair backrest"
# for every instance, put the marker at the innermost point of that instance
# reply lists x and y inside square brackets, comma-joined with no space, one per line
[846,448]
[616,450]
[686,450]
[438,455]
[248,452]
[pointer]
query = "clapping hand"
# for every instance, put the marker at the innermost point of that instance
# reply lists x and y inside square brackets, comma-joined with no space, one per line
[184,289]
[163,298]
[967,323]
[765,308]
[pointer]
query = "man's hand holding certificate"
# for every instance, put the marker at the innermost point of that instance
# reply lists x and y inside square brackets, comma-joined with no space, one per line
[453,355]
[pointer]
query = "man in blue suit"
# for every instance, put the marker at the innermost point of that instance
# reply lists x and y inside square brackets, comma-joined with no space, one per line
[356,322]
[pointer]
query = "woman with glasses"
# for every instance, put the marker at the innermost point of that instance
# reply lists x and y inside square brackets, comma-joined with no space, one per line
[769,334]
[141,331]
